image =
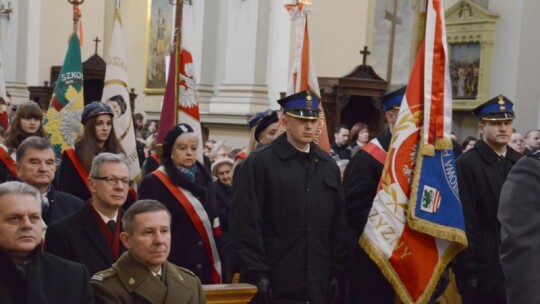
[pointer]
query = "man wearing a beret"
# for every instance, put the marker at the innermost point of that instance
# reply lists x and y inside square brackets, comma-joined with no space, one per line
[288,214]
[482,172]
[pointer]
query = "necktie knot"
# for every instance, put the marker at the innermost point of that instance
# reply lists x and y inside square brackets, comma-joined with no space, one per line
[111,225]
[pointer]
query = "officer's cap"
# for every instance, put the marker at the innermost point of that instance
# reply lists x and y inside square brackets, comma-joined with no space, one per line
[304,105]
[497,108]
[393,99]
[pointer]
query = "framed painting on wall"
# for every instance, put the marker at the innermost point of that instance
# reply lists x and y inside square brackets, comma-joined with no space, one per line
[160,28]
[465,69]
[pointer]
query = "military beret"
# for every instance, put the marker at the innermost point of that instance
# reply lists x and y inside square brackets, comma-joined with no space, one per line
[261,121]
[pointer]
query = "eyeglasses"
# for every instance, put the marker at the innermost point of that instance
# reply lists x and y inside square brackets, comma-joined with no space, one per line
[114,180]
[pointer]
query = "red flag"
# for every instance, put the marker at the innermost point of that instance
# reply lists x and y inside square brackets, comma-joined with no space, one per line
[415,226]
[303,74]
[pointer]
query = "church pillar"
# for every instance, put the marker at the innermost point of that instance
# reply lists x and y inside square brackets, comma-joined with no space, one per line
[241,67]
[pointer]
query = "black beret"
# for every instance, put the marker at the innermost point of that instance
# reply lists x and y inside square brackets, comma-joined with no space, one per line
[95,108]
[261,120]
[173,134]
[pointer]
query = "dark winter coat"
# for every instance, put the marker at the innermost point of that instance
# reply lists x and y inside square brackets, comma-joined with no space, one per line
[47,279]
[481,173]
[360,182]
[187,247]
[288,221]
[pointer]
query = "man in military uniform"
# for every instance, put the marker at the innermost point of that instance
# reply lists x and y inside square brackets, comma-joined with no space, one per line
[481,172]
[360,180]
[288,215]
[142,274]
[520,220]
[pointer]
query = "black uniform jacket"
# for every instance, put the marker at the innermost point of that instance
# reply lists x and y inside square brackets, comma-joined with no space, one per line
[130,282]
[360,181]
[519,214]
[187,247]
[481,173]
[60,205]
[78,237]
[288,221]
[49,279]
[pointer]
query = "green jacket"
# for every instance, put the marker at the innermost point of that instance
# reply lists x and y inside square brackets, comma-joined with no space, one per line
[129,281]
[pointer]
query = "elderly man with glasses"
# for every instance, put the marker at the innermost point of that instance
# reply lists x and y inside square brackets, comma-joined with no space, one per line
[91,235]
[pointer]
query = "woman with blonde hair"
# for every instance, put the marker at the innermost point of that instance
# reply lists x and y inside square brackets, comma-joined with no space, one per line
[27,122]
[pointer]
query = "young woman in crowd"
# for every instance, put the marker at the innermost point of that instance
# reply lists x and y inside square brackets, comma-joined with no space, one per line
[98,136]
[27,122]
[264,127]
[185,187]
[359,137]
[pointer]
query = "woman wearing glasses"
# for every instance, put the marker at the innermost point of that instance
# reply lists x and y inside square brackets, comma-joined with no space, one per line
[27,122]
[184,186]
[98,137]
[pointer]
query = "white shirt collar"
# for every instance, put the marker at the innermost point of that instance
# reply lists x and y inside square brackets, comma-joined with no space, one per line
[105,218]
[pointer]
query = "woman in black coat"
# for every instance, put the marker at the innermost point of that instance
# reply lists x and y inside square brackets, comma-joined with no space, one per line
[184,186]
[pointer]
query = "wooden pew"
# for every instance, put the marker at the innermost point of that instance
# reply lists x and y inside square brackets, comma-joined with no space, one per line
[229,293]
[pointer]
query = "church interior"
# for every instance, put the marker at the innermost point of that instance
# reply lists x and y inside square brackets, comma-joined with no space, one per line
[243,51]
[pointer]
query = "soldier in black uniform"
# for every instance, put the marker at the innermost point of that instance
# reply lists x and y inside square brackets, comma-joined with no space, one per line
[482,171]
[362,175]
[288,216]
[519,214]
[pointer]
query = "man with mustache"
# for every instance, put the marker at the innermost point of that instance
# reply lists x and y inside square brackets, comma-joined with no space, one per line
[481,173]
[91,235]
[287,219]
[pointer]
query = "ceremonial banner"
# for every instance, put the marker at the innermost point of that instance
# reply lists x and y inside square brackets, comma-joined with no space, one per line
[63,119]
[3,97]
[116,95]
[180,103]
[303,76]
[416,225]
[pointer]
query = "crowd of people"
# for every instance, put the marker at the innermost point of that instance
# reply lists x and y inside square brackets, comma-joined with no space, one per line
[280,213]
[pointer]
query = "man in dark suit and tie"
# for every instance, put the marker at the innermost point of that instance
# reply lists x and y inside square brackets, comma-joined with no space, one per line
[36,166]
[91,235]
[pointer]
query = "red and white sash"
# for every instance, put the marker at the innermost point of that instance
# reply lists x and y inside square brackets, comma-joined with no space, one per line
[375,149]
[200,220]
[8,160]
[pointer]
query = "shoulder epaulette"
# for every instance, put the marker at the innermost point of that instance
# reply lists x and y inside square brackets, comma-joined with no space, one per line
[186,271]
[103,275]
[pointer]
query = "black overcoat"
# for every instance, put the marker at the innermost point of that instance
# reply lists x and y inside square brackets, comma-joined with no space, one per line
[288,221]
[49,279]
[78,237]
[187,247]
[481,173]
[519,214]
[360,180]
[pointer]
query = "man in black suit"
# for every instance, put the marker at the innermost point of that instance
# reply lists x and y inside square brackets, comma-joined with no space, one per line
[36,166]
[27,274]
[91,235]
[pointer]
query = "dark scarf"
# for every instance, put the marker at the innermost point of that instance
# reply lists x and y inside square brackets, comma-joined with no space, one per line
[202,177]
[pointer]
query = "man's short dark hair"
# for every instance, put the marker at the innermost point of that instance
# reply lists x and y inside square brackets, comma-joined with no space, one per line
[138,116]
[339,127]
[33,142]
[141,206]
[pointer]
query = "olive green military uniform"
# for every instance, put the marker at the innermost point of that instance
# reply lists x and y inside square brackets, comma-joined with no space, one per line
[129,281]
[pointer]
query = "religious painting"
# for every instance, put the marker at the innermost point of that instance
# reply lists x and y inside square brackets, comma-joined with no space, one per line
[464,69]
[160,30]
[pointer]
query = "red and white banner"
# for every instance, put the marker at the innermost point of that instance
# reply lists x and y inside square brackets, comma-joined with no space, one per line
[415,226]
[303,76]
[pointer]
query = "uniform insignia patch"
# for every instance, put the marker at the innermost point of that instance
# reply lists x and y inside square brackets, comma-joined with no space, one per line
[97,277]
